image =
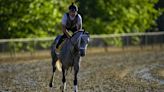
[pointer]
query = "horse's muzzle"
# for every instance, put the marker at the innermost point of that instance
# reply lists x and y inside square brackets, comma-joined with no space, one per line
[82,52]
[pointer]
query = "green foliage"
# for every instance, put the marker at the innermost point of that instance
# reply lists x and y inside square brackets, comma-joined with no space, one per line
[118,16]
[42,18]
[30,18]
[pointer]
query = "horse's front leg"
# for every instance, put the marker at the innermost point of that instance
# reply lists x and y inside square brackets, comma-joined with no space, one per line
[63,80]
[76,70]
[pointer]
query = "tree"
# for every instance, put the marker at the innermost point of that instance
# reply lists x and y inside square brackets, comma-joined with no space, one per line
[42,18]
[118,16]
[30,18]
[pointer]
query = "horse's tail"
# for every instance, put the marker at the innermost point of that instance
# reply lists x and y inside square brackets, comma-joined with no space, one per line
[59,65]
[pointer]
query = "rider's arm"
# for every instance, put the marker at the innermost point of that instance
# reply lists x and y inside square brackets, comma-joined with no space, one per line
[79,27]
[64,19]
[79,24]
[65,31]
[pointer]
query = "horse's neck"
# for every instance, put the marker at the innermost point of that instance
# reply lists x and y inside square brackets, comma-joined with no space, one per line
[67,45]
[76,37]
[70,43]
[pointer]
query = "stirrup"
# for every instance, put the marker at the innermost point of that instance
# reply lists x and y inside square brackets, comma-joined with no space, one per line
[57,50]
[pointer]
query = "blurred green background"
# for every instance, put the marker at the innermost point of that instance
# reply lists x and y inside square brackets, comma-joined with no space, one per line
[42,18]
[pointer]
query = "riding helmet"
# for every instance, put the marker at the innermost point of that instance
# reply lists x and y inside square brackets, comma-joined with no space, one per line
[73,7]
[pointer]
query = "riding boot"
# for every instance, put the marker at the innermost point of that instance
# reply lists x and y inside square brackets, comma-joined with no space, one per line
[59,42]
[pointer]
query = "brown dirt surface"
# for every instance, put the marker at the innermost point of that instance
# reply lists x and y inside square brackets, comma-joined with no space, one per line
[99,72]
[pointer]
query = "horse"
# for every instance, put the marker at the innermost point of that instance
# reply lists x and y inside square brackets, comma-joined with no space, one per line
[69,56]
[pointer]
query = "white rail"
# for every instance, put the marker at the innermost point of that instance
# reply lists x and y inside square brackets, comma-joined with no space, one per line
[126,34]
[92,36]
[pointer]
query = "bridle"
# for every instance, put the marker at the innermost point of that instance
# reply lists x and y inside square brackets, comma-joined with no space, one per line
[74,45]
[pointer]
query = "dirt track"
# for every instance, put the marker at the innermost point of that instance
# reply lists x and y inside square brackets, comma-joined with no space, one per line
[101,72]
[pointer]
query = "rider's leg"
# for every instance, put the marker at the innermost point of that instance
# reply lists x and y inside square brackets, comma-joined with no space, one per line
[60,40]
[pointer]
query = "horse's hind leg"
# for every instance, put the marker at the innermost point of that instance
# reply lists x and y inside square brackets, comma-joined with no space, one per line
[54,59]
[63,80]
[53,72]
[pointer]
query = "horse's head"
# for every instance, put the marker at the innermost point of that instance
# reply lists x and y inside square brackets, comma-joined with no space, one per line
[80,40]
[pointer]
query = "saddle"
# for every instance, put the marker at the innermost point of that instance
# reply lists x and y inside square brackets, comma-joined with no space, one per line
[57,50]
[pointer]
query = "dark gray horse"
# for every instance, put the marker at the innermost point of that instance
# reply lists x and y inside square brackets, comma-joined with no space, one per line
[70,55]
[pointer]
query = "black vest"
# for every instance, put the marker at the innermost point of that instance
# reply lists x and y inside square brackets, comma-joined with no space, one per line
[71,24]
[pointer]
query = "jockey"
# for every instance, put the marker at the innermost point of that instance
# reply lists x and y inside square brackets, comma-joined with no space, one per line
[71,21]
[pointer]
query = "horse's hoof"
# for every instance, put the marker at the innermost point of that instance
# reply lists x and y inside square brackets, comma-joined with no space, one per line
[50,85]
[62,88]
[75,91]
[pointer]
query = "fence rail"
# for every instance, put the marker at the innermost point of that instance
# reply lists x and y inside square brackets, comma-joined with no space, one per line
[105,40]
[127,34]
[92,37]
[14,49]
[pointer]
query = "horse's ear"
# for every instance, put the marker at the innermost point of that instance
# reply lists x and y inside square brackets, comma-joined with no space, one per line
[83,29]
[85,32]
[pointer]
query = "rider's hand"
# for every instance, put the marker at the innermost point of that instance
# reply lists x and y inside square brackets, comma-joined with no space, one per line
[68,36]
